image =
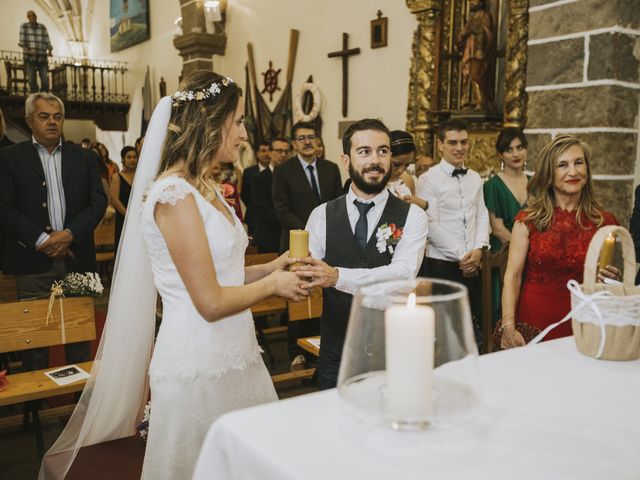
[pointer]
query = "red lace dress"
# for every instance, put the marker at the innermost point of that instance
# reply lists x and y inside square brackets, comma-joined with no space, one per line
[555,256]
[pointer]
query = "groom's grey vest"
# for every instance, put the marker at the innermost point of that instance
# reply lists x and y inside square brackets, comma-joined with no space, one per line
[343,250]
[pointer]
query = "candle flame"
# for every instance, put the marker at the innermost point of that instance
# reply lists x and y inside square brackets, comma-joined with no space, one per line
[411,301]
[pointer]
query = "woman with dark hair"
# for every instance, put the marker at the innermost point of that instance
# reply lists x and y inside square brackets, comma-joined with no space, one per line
[505,194]
[103,154]
[401,183]
[180,239]
[120,187]
[549,243]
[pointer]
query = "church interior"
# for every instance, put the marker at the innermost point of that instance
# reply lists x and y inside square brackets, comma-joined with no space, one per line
[547,68]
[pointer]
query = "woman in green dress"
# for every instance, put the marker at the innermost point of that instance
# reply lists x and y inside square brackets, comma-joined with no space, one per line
[505,194]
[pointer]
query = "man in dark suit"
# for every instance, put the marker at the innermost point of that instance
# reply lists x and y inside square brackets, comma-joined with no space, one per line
[302,183]
[51,200]
[267,227]
[262,155]
[299,185]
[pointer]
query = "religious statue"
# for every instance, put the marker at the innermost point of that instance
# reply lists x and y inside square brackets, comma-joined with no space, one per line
[477,43]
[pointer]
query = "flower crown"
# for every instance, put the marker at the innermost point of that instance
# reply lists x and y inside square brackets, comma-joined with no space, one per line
[198,95]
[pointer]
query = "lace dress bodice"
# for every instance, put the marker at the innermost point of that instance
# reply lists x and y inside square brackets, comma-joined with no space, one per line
[187,345]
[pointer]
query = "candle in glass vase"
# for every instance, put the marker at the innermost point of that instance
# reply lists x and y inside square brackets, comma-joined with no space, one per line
[606,254]
[409,341]
[298,243]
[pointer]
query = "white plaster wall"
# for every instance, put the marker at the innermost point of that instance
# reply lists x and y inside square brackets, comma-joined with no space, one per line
[14,14]
[158,52]
[378,78]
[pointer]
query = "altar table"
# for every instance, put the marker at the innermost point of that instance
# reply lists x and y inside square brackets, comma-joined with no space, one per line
[547,412]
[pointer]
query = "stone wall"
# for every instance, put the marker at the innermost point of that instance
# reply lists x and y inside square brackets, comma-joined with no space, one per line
[583,78]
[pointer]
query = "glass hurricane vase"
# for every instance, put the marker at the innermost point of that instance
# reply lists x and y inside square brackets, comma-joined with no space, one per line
[410,357]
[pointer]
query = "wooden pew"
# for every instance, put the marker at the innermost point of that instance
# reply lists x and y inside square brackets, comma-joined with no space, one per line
[8,292]
[22,327]
[104,237]
[490,262]
[269,306]
[310,344]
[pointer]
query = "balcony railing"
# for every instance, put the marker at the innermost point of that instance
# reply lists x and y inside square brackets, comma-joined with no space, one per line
[70,79]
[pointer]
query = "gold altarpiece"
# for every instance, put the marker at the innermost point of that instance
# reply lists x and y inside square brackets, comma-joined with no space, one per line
[438,89]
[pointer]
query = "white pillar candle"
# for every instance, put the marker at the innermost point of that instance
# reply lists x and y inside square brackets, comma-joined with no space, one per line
[409,340]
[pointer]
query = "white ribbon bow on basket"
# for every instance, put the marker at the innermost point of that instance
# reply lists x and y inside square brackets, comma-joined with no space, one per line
[586,300]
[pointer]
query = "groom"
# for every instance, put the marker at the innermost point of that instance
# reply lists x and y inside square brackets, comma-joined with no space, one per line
[343,242]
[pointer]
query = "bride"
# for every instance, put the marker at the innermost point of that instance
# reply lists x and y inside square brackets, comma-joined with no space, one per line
[206,360]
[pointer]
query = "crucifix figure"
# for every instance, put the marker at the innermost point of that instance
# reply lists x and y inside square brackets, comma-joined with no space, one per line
[345,53]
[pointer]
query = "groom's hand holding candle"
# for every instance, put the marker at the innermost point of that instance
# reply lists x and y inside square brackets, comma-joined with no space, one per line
[320,273]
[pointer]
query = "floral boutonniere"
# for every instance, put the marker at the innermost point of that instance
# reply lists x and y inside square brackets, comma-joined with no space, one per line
[387,237]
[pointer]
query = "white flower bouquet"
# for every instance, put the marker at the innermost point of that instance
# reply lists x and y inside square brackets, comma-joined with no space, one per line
[81,284]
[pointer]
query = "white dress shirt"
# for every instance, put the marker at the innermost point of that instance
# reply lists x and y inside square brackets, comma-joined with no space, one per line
[56,205]
[458,217]
[407,255]
[314,164]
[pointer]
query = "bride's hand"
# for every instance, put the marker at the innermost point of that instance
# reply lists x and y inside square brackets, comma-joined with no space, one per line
[283,262]
[289,285]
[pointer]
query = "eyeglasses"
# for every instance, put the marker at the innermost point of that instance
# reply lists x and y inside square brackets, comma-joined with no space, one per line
[281,151]
[302,138]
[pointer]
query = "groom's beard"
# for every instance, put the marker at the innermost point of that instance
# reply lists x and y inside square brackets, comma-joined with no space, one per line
[369,187]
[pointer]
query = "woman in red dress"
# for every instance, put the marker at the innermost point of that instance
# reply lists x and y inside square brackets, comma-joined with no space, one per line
[549,241]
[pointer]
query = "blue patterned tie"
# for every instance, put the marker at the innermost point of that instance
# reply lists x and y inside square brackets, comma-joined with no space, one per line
[361,225]
[314,184]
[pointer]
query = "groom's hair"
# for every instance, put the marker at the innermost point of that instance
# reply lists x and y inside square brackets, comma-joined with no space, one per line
[360,125]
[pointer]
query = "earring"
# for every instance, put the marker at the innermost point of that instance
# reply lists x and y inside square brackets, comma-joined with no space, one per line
[502,165]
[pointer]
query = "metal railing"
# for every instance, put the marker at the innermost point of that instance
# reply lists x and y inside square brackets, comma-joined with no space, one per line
[71,79]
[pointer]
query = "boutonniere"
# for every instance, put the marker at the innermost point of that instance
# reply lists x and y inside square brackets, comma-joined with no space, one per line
[387,237]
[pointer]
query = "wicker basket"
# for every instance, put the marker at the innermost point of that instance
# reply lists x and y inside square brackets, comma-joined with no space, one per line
[606,318]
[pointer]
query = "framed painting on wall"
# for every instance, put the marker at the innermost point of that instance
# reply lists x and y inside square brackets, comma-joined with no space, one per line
[129,23]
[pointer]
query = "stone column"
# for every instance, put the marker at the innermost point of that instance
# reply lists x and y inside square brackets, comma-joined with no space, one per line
[195,45]
[423,79]
[583,78]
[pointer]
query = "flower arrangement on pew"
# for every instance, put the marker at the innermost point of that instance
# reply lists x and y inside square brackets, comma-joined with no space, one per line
[143,426]
[72,285]
[80,285]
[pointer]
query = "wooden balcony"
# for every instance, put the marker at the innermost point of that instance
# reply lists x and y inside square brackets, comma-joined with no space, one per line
[91,90]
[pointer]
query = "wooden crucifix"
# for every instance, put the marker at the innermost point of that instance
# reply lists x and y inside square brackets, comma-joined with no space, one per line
[345,53]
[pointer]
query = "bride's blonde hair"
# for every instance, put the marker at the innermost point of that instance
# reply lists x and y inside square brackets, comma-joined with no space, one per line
[195,133]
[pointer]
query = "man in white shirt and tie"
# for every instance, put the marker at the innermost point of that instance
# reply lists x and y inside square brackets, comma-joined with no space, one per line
[343,242]
[458,217]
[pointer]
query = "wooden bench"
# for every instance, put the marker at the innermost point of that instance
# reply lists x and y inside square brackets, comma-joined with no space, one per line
[310,344]
[104,237]
[22,327]
[8,292]
[490,262]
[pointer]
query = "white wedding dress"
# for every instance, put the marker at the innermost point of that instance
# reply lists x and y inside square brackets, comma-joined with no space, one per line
[199,370]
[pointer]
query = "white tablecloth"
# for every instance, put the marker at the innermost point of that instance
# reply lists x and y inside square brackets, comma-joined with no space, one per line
[548,413]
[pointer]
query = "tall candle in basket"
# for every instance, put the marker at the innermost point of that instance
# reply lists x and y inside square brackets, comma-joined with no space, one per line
[606,255]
